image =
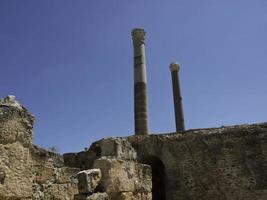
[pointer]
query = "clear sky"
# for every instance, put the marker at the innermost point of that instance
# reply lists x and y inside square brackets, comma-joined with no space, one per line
[70,63]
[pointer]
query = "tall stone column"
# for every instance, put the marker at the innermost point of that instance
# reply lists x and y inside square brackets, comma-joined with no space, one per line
[140,82]
[177,98]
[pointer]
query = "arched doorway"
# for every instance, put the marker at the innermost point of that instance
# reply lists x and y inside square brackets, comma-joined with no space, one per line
[158,177]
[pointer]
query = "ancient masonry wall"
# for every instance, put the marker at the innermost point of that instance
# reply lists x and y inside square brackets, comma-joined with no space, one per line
[218,163]
[26,171]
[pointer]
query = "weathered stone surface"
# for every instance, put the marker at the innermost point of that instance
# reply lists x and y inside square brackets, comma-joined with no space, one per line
[16,163]
[134,196]
[84,159]
[2,176]
[143,183]
[15,122]
[118,148]
[54,191]
[95,196]
[219,163]
[10,101]
[98,196]
[65,175]
[88,180]
[120,176]
[15,158]
[52,180]
[26,171]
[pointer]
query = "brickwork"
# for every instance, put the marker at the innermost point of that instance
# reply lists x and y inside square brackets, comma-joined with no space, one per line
[223,163]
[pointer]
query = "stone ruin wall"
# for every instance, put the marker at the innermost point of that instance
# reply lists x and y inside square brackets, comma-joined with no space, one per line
[26,171]
[220,163]
[223,163]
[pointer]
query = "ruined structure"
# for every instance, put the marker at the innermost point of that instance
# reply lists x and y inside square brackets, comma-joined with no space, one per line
[217,163]
[27,171]
[226,163]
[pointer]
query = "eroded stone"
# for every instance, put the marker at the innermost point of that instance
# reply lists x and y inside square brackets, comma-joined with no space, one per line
[120,176]
[118,148]
[95,196]
[134,196]
[2,176]
[88,180]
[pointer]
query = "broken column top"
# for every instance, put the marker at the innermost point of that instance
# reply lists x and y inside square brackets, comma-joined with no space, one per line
[138,35]
[174,66]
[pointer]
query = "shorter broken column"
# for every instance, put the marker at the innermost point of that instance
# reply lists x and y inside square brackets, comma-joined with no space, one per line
[177,97]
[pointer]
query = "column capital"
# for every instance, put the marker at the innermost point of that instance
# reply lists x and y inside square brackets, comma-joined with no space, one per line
[174,66]
[138,36]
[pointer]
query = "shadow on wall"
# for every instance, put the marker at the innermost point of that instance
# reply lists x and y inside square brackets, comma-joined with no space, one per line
[158,177]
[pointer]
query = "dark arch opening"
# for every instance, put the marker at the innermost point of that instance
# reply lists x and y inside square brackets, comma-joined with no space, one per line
[158,177]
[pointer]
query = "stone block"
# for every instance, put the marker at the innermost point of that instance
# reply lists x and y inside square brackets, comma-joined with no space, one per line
[117,147]
[66,175]
[143,182]
[88,180]
[53,191]
[124,176]
[15,122]
[44,174]
[118,175]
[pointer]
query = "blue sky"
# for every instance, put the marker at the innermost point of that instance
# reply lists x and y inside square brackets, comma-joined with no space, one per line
[70,63]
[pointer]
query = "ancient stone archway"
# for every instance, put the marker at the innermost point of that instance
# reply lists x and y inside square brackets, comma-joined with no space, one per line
[158,177]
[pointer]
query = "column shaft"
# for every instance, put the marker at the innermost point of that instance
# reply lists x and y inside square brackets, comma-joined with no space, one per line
[140,83]
[177,99]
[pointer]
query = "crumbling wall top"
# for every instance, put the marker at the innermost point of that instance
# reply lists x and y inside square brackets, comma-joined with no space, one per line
[16,122]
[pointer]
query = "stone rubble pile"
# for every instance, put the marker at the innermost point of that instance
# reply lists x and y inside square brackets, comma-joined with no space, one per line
[123,178]
[116,174]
